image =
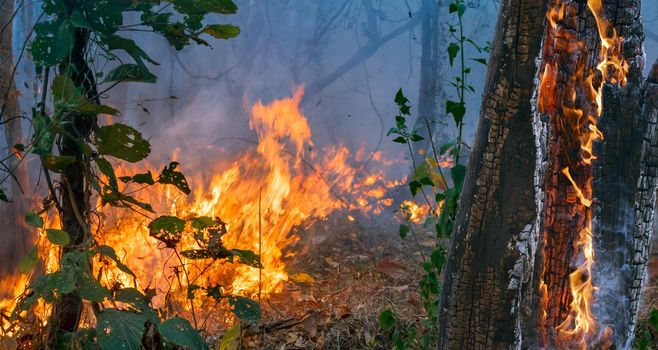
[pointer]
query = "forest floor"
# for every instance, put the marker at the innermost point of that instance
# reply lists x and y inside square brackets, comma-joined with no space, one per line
[342,276]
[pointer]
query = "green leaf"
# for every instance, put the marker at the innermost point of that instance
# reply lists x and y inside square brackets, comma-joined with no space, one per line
[57,164]
[43,136]
[123,142]
[90,289]
[247,257]
[245,309]
[3,196]
[93,109]
[400,139]
[58,237]
[33,220]
[400,99]
[180,332]
[52,43]
[480,60]
[167,229]
[203,222]
[138,301]
[120,330]
[170,176]
[458,7]
[438,259]
[109,252]
[404,231]
[115,42]
[453,50]
[414,186]
[458,173]
[387,320]
[445,147]
[231,339]
[457,109]
[106,168]
[222,31]
[143,179]
[415,137]
[64,90]
[29,261]
[131,73]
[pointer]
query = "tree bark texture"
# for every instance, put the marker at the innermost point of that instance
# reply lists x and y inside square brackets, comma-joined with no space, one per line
[490,267]
[431,75]
[9,111]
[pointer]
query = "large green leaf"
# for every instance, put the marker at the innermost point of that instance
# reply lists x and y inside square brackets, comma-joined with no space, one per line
[115,42]
[138,301]
[33,219]
[90,289]
[244,308]
[63,90]
[180,332]
[143,179]
[29,261]
[171,176]
[167,229]
[52,43]
[118,329]
[57,163]
[131,73]
[58,237]
[123,142]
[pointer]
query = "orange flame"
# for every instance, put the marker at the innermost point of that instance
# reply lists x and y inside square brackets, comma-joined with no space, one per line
[266,196]
[580,324]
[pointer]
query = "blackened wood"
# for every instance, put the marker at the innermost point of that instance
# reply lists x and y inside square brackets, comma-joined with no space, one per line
[489,274]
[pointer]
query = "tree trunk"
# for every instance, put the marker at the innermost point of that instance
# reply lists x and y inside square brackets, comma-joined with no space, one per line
[10,113]
[75,197]
[603,204]
[430,79]
[489,273]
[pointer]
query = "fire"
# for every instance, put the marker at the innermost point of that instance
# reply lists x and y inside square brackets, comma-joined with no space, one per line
[575,108]
[266,195]
[413,212]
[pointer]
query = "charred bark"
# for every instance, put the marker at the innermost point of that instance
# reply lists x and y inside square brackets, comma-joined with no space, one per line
[489,273]
[624,185]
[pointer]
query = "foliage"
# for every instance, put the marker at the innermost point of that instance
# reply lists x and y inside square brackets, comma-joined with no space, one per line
[93,28]
[438,181]
[646,335]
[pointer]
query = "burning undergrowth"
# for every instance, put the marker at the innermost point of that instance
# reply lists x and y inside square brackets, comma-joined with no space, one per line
[256,205]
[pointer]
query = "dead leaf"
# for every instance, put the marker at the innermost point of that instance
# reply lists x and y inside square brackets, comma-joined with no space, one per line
[302,278]
[7,343]
[391,269]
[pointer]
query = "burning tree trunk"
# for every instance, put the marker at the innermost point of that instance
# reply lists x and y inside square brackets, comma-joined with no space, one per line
[490,267]
[595,132]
